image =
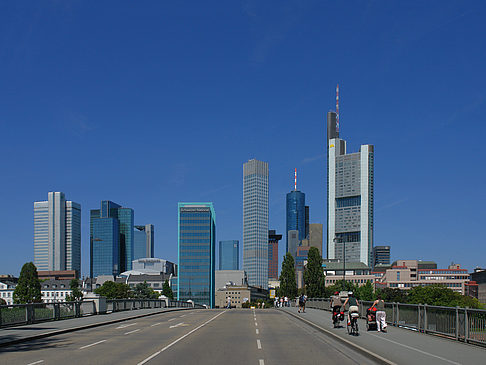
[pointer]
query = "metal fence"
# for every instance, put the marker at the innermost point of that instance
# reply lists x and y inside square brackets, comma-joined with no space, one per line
[462,324]
[18,314]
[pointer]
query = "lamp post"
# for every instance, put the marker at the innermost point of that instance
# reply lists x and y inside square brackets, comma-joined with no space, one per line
[340,240]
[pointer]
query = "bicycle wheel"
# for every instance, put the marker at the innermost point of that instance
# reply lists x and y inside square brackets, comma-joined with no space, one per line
[356,332]
[349,328]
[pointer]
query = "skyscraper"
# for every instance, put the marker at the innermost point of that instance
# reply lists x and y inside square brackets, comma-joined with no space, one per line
[143,242]
[349,198]
[111,239]
[229,255]
[273,239]
[255,222]
[57,234]
[296,215]
[381,255]
[197,246]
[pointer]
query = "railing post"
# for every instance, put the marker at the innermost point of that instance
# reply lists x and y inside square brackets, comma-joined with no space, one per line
[457,323]
[418,317]
[77,309]
[57,311]
[398,314]
[426,324]
[466,326]
[29,311]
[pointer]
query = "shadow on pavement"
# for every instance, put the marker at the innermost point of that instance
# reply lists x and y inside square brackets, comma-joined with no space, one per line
[42,343]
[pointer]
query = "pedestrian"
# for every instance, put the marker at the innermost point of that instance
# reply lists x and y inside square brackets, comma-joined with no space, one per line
[229,303]
[303,303]
[379,304]
[263,305]
[281,302]
[286,300]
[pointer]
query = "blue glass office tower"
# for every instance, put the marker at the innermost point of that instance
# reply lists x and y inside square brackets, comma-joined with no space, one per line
[296,215]
[196,246]
[111,239]
[143,241]
[229,255]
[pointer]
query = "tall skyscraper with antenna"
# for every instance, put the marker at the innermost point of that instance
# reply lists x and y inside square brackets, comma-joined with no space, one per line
[350,189]
[297,216]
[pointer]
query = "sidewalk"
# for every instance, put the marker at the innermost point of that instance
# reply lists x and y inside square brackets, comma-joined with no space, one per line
[398,345]
[12,335]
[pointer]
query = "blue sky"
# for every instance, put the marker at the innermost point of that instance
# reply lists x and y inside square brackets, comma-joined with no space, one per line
[148,104]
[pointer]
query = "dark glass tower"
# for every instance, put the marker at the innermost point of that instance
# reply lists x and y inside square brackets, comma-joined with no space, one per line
[296,217]
[197,244]
[111,239]
[229,255]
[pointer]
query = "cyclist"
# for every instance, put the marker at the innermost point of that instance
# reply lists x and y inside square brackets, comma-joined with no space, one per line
[353,305]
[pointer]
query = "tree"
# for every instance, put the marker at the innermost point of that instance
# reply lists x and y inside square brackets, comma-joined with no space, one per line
[365,292]
[76,294]
[28,289]
[112,290]
[167,290]
[288,285]
[314,278]
[440,295]
[2,302]
[392,295]
[144,291]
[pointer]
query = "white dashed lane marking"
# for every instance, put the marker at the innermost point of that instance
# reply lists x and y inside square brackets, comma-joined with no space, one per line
[127,333]
[96,343]
[257,331]
[259,345]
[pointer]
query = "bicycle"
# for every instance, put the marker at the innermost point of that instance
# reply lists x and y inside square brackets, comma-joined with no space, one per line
[352,326]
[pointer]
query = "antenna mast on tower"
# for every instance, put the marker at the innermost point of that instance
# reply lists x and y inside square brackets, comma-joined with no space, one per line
[295,180]
[337,108]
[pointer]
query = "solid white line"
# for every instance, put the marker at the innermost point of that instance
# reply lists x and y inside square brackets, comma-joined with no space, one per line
[259,345]
[413,348]
[261,362]
[257,332]
[96,343]
[37,362]
[156,324]
[126,325]
[180,338]
[127,333]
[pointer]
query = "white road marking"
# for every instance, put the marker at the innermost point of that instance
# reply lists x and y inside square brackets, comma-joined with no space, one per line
[96,343]
[127,333]
[413,348]
[126,325]
[257,331]
[179,339]
[37,362]
[172,319]
[259,345]
[256,324]
[178,325]
[156,324]
[261,362]
[182,316]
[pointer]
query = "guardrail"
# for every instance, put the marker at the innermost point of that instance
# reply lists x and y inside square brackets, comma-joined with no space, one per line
[18,314]
[462,324]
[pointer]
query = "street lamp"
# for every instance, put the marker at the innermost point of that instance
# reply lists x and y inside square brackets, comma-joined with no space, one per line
[341,240]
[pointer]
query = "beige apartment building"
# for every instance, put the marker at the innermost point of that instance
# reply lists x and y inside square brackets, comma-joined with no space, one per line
[239,295]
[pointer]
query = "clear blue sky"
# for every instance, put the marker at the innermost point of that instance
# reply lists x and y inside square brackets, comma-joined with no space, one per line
[148,104]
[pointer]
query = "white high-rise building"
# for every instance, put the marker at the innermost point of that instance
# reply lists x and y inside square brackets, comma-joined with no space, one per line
[57,234]
[349,198]
[255,222]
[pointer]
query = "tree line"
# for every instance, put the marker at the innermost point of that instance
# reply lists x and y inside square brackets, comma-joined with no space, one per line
[314,287]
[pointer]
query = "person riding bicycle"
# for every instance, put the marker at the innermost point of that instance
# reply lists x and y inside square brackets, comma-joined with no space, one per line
[353,306]
[336,302]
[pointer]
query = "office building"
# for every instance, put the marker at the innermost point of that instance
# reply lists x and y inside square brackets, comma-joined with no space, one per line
[229,255]
[57,234]
[111,239]
[143,241]
[197,246]
[273,239]
[293,243]
[151,265]
[350,198]
[314,238]
[255,222]
[296,215]
[381,255]
[224,278]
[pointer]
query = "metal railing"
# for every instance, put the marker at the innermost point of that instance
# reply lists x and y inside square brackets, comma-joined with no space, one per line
[462,324]
[18,314]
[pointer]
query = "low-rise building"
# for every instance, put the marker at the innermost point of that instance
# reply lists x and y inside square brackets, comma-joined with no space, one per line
[7,286]
[239,294]
[357,273]
[223,278]
[479,276]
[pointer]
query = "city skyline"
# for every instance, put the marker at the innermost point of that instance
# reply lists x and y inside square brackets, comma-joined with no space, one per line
[262,91]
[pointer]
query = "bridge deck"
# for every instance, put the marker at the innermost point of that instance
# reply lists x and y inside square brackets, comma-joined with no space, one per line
[399,345]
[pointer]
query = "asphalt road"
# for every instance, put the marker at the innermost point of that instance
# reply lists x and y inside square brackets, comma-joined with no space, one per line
[197,336]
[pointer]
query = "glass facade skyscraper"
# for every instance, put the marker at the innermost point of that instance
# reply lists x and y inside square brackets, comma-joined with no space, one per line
[196,247]
[143,241]
[273,239]
[296,215]
[57,234]
[255,222]
[229,255]
[111,239]
[350,187]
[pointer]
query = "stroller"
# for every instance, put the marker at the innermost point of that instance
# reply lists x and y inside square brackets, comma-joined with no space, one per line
[371,319]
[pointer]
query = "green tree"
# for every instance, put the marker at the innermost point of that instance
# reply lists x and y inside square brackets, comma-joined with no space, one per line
[76,294]
[314,278]
[2,302]
[112,290]
[28,289]
[392,295]
[288,285]
[167,290]
[440,295]
[365,292]
[144,291]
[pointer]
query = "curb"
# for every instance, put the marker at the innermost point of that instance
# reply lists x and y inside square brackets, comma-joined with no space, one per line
[362,350]
[73,329]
